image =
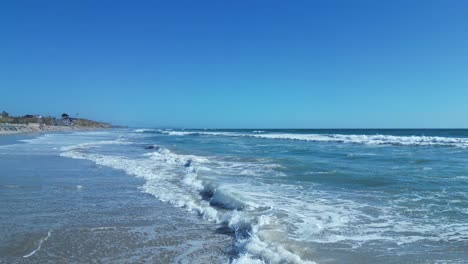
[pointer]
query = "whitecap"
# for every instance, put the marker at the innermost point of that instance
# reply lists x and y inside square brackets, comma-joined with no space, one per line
[342,138]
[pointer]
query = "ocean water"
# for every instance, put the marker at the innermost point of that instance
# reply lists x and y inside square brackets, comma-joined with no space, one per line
[236,196]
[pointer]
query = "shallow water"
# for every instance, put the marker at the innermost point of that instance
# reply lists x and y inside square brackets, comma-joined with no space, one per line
[59,210]
[244,196]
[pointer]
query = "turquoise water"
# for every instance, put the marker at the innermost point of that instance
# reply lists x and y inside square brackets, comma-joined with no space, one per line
[297,196]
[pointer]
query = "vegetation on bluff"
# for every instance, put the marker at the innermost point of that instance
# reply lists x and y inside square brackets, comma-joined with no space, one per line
[65,120]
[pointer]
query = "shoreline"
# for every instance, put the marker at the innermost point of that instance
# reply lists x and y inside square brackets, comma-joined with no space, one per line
[15,129]
[75,207]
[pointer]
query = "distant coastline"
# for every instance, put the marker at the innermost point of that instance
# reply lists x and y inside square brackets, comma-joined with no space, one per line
[36,123]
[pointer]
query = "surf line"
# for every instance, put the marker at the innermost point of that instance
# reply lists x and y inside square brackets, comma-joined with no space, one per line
[44,239]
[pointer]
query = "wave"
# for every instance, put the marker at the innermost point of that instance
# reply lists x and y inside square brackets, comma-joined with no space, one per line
[95,144]
[174,178]
[144,130]
[340,138]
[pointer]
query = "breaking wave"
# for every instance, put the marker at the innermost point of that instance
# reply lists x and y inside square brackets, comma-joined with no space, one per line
[175,179]
[340,138]
[145,130]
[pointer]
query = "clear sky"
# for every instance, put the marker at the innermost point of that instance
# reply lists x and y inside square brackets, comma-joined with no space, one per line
[234,64]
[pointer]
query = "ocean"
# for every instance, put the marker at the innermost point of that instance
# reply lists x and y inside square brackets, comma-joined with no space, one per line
[235,196]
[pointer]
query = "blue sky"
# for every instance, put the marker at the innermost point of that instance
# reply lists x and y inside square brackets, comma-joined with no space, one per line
[238,64]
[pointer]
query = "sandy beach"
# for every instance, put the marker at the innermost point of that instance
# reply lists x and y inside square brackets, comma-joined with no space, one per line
[9,129]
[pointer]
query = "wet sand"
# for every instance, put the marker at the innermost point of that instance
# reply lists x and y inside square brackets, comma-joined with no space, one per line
[62,210]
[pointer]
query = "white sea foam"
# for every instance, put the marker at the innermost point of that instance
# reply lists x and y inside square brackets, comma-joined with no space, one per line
[143,130]
[41,241]
[373,139]
[342,138]
[174,178]
[95,144]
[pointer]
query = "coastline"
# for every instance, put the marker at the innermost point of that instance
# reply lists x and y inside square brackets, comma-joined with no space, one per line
[14,129]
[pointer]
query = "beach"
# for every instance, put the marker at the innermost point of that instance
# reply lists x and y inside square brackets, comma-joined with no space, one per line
[10,129]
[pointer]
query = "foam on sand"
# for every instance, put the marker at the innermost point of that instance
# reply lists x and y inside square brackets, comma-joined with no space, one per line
[39,245]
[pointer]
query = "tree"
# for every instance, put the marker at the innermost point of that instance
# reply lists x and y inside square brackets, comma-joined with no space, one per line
[5,114]
[65,116]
